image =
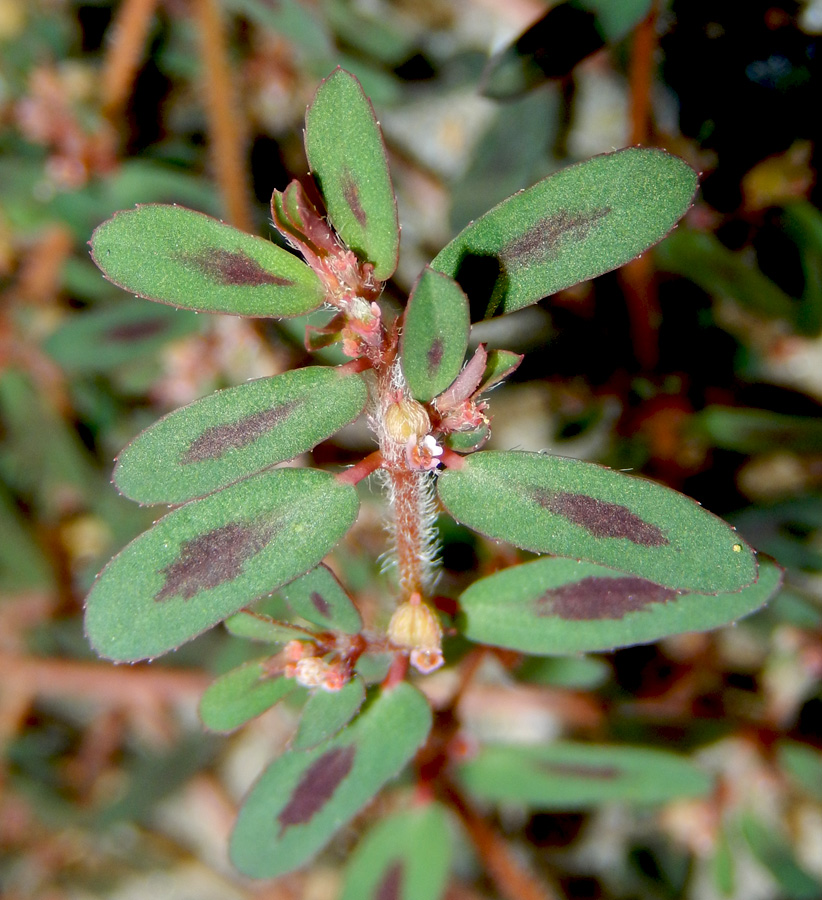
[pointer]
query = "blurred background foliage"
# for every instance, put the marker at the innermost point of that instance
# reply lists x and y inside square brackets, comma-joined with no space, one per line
[699,364]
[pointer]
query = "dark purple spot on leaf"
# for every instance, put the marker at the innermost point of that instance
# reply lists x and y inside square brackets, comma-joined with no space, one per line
[319,603]
[601,518]
[572,770]
[317,786]
[213,558]
[435,356]
[220,439]
[390,886]
[351,195]
[234,268]
[542,241]
[601,598]
[136,331]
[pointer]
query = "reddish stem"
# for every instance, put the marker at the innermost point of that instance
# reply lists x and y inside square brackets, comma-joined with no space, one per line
[452,460]
[365,467]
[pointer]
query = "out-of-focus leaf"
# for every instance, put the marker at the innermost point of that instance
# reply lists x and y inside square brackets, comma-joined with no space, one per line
[775,853]
[372,35]
[103,339]
[320,599]
[305,796]
[575,672]
[208,559]
[787,531]
[724,869]
[328,712]
[184,258]
[292,20]
[565,775]
[407,855]
[561,606]
[257,627]
[803,223]
[241,695]
[758,430]
[578,223]
[435,334]
[554,44]
[236,432]
[567,507]
[23,565]
[804,766]
[722,273]
[347,157]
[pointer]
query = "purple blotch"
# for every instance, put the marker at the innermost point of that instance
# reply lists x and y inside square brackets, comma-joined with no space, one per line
[579,770]
[219,439]
[434,355]
[601,518]
[317,786]
[542,241]
[390,886]
[601,598]
[135,331]
[213,558]
[319,603]
[234,268]
[351,194]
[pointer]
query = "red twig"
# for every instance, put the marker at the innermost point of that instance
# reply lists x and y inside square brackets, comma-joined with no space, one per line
[356,473]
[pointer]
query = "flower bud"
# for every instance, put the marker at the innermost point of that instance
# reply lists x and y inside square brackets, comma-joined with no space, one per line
[406,419]
[414,626]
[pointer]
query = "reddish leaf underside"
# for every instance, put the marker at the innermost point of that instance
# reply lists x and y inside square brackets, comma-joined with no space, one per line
[602,598]
[232,267]
[316,787]
[214,558]
[220,439]
[600,518]
[391,884]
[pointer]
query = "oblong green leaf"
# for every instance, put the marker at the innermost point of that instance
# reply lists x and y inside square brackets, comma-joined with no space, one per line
[407,855]
[241,695]
[103,339]
[572,508]
[567,775]
[561,606]
[347,157]
[328,712]
[211,557]
[584,220]
[305,796]
[320,599]
[434,335]
[184,258]
[237,432]
[257,627]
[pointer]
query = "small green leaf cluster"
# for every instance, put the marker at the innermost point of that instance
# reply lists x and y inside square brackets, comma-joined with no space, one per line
[631,561]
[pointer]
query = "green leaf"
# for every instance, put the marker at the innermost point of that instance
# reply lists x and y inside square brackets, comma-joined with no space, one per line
[803,764]
[184,258]
[347,157]
[305,796]
[752,431]
[320,599]
[567,507]
[774,851]
[103,339]
[407,855]
[257,627]
[208,559]
[435,335]
[584,220]
[561,606]
[241,695]
[565,775]
[237,432]
[326,713]
[498,365]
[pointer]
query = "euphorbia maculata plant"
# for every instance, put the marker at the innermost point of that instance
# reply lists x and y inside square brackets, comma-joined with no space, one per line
[627,560]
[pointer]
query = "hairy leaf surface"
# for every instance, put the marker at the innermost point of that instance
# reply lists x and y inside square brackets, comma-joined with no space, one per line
[584,220]
[237,432]
[211,557]
[406,856]
[561,606]
[187,259]
[320,599]
[347,157]
[565,775]
[305,796]
[435,335]
[241,695]
[577,509]
[328,712]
